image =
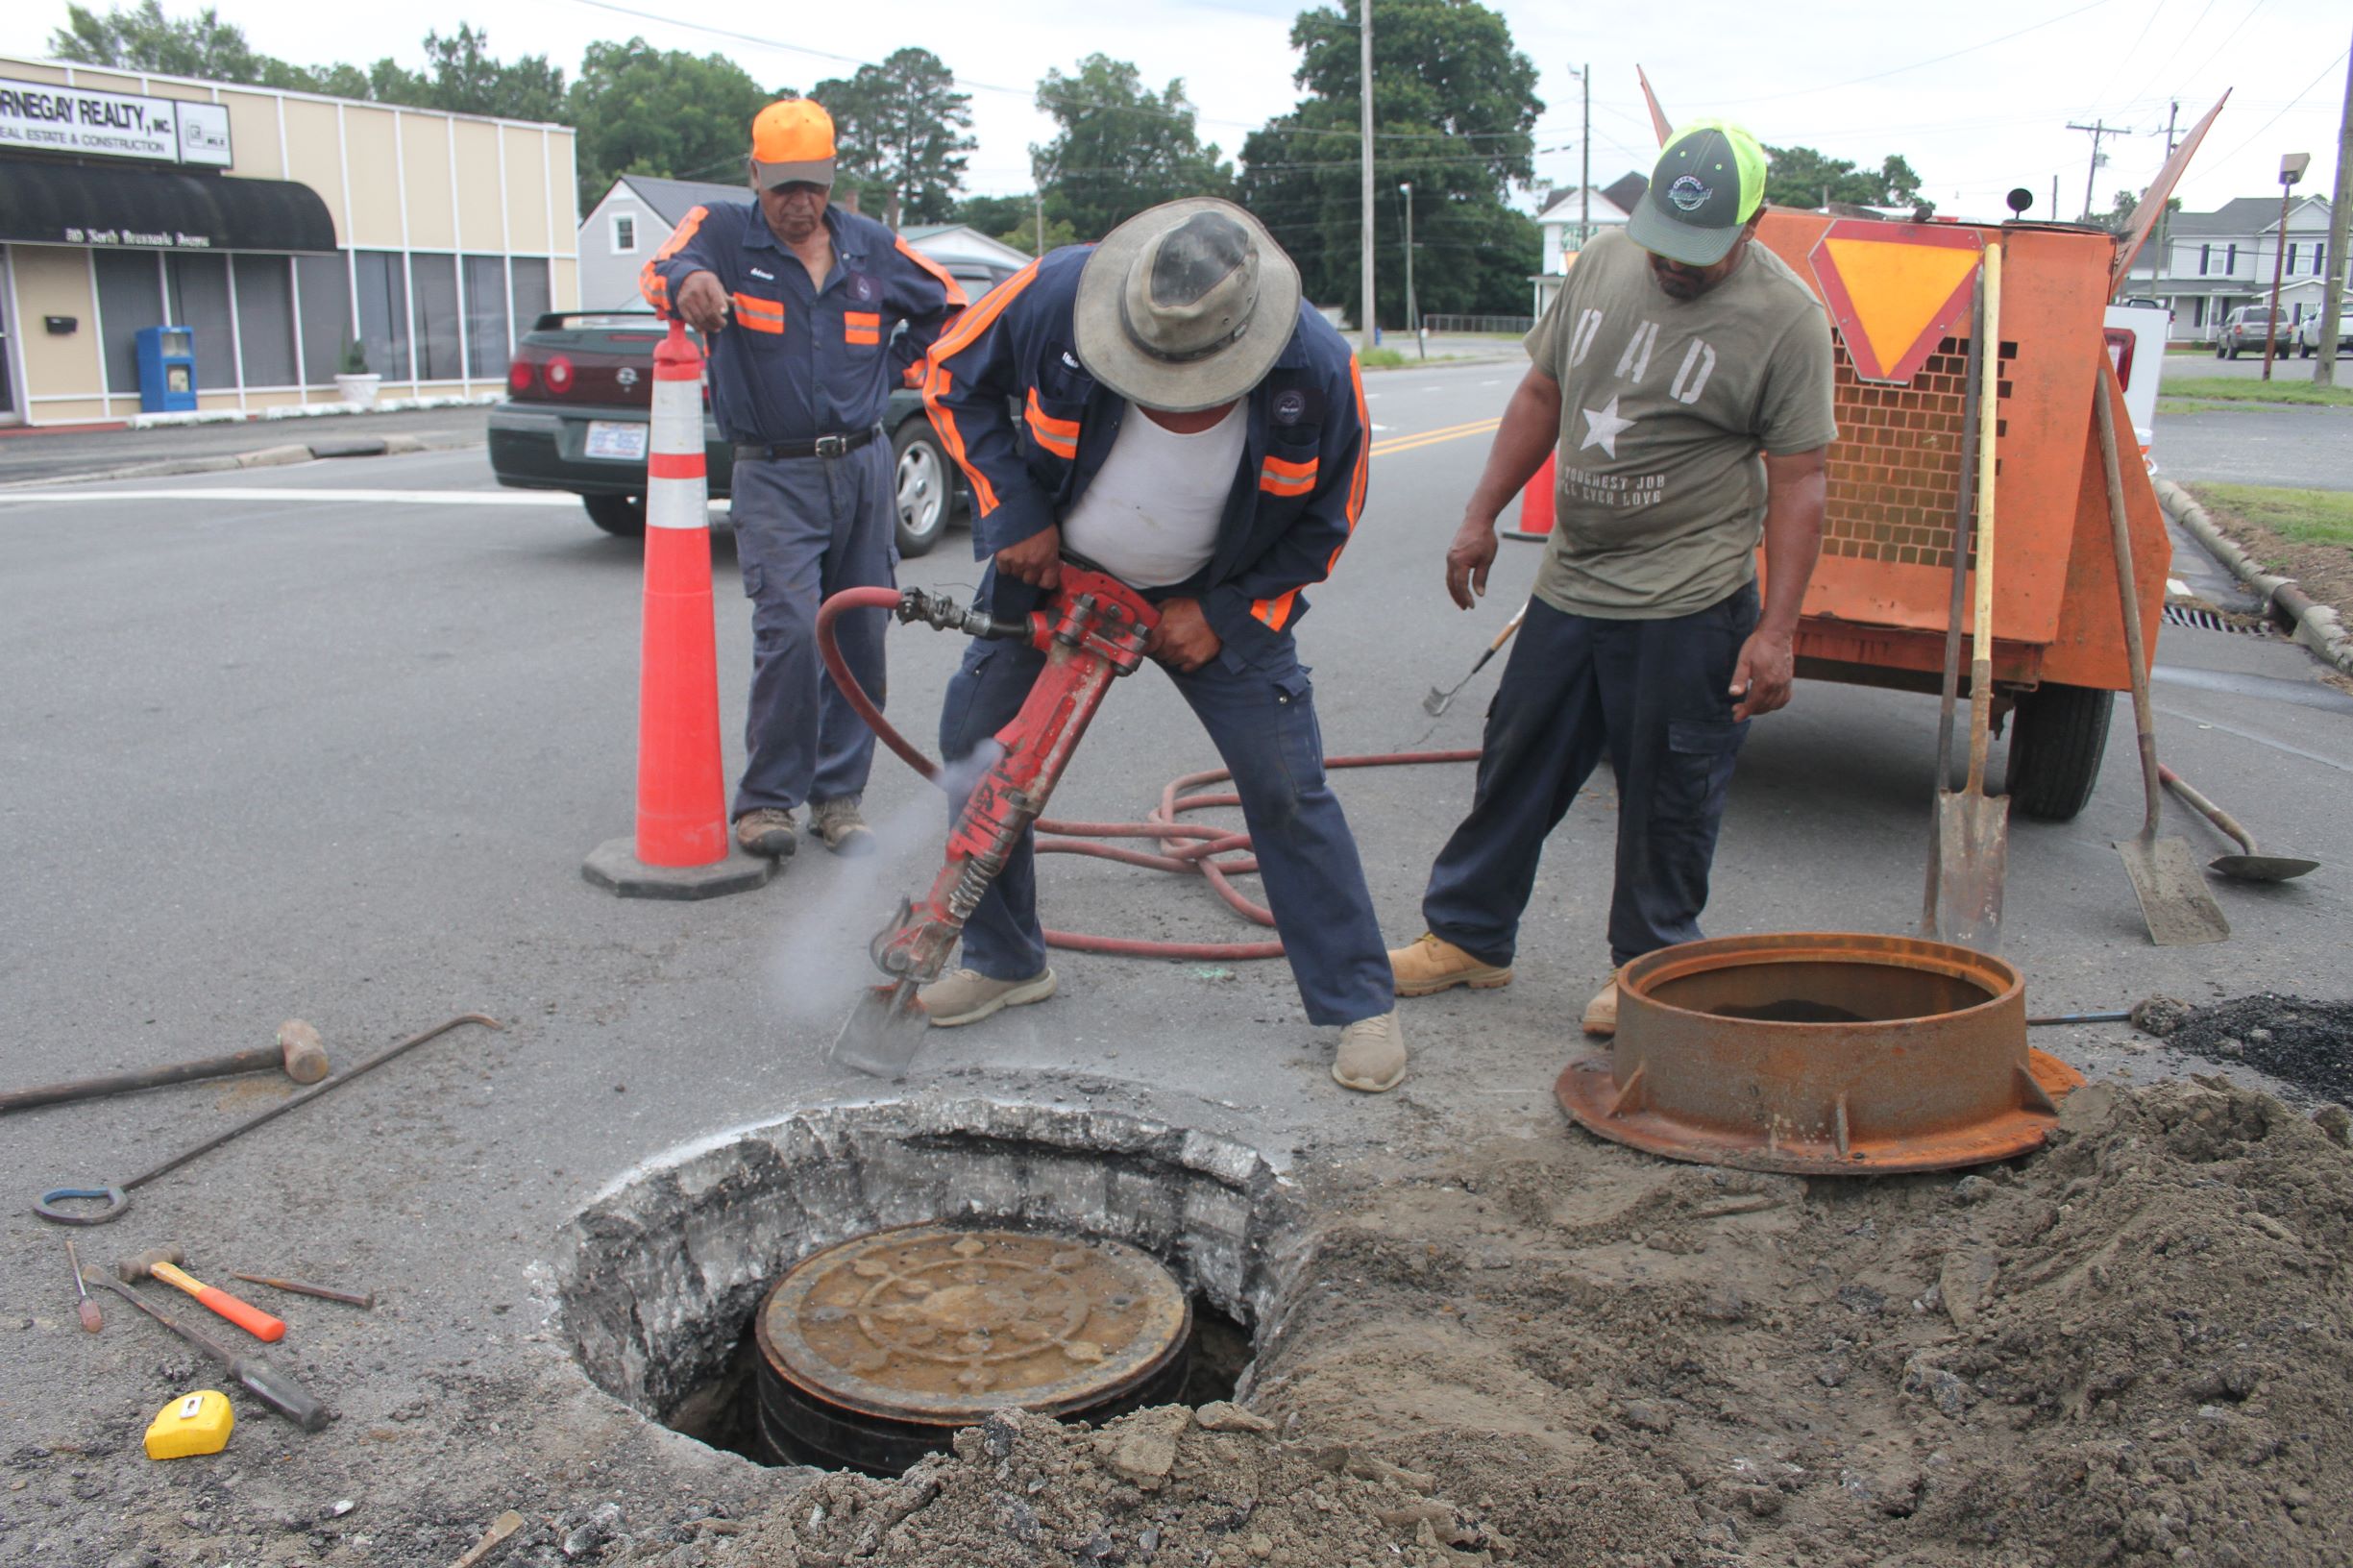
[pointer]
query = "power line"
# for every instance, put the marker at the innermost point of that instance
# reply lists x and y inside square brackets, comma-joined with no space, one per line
[2326,72]
[1899,71]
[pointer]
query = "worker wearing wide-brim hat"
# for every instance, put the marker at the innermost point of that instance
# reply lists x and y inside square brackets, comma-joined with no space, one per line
[1682,382]
[800,302]
[1193,428]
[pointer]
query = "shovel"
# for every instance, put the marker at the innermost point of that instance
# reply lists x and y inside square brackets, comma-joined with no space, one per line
[2252,866]
[1964,514]
[2174,903]
[1972,829]
[1435,702]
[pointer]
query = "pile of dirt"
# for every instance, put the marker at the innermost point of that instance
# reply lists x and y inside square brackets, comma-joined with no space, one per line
[2136,1347]
[2303,1042]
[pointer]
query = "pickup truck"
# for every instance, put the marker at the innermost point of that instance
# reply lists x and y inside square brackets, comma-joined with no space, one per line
[580,391]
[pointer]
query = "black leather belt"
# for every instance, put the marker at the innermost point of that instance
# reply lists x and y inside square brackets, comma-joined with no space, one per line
[825,446]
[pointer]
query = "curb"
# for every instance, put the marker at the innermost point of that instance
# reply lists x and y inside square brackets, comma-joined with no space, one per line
[363,445]
[2316,626]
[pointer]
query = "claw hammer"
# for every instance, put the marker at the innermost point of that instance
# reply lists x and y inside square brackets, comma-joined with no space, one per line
[159,1264]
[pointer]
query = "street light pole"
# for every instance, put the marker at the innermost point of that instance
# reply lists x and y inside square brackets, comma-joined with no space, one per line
[2290,169]
[1365,35]
[1413,314]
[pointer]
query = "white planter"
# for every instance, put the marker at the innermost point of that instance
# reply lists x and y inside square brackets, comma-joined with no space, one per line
[359,391]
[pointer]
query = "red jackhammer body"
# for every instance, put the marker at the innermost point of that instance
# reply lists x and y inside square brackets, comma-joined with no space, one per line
[1092,629]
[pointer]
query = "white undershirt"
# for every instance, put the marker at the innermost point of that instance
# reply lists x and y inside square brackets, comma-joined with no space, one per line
[1150,517]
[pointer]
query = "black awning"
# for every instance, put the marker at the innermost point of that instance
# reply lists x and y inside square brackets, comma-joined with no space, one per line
[157,209]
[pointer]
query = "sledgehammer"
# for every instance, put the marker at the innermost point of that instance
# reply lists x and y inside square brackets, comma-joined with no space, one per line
[298,1052]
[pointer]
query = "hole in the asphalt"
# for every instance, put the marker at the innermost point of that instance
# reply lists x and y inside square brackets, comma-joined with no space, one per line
[662,1281]
[1816,992]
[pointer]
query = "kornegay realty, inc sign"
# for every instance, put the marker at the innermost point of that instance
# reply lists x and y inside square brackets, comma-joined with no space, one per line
[38,117]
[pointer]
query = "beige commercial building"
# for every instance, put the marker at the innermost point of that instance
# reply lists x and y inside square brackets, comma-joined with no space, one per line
[278,227]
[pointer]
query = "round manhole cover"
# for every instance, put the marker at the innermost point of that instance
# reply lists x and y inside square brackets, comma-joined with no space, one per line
[875,1351]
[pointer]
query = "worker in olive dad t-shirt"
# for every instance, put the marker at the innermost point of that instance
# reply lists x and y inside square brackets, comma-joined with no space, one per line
[1683,373]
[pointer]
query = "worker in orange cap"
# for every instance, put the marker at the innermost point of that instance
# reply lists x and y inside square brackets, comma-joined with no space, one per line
[800,302]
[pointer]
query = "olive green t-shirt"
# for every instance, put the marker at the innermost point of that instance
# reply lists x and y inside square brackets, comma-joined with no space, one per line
[1665,408]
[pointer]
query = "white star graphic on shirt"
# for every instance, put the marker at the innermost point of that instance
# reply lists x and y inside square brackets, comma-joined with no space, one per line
[1603,427]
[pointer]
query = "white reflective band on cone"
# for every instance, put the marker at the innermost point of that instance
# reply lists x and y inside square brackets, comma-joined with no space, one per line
[678,432]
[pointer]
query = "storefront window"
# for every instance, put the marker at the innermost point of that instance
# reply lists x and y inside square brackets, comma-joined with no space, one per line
[130,297]
[531,295]
[200,301]
[486,343]
[265,320]
[327,314]
[383,312]
[434,278]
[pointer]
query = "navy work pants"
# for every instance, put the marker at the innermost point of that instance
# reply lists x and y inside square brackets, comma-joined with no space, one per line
[806,529]
[1261,720]
[1651,695]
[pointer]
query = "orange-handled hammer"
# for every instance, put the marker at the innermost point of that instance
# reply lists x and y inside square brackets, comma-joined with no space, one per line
[159,1264]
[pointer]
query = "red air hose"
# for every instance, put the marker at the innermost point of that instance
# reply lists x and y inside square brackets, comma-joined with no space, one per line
[1187,848]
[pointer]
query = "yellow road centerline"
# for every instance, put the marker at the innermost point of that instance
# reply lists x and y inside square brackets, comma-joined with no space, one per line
[1432,438]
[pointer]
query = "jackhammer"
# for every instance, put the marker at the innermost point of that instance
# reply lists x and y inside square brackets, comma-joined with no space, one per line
[1092,628]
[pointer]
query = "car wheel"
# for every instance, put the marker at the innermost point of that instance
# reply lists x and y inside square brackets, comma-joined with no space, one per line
[2220,352]
[925,492]
[624,517]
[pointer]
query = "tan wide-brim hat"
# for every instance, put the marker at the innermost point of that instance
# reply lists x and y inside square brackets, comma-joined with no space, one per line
[1187,305]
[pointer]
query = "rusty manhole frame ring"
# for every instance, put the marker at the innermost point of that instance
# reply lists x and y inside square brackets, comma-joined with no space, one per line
[1166,1327]
[1642,1112]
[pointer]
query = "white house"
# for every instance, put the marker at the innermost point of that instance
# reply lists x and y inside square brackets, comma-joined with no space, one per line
[636,218]
[1574,217]
[2213,262]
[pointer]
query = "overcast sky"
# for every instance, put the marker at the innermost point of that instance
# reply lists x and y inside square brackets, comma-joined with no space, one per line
[1979,104]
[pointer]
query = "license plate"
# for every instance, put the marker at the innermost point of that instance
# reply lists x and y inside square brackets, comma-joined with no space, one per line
[617,438]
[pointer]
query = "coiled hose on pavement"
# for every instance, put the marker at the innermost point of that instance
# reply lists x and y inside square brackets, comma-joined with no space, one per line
[1215,854]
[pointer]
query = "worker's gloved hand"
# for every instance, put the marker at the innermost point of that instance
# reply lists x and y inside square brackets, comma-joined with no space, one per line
[1468,558]
[701,303]
[1035,560]
[1183,638]
[1761,677]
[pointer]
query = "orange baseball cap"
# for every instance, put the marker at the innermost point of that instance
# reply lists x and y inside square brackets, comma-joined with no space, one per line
[791,140]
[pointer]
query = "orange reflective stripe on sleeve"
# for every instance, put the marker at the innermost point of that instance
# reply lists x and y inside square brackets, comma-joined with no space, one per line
[1059,436]
[758,314]
[1279,478]
[652,285]
[936,385]
[1364,450]
[1275,613]
[956,299]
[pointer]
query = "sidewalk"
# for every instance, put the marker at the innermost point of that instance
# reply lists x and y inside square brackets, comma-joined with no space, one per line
[38,457]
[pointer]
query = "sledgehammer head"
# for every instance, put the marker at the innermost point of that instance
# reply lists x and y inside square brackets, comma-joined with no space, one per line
[306,1057]
[131,1270]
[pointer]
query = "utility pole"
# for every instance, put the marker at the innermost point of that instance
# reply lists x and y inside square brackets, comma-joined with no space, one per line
[2292,166]
[2165,254]
[2339,231]
[1413,314]
[2097,130]
[1366,328]
[1584,147]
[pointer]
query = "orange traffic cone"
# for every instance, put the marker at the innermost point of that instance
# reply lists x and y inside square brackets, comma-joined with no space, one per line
[1536,505]
[682,848]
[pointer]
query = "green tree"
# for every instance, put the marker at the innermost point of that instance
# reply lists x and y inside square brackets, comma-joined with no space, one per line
[1013,220]
[1121,148]
[2119,218]
[143,39]
[644,110]
[1802,177]
[1455,109]
[899,135]
[466,79]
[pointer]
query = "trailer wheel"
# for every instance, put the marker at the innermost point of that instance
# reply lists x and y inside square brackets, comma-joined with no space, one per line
[2059,735]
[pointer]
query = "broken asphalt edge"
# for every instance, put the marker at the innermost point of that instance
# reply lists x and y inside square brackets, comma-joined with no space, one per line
[277,456]
[2318,626]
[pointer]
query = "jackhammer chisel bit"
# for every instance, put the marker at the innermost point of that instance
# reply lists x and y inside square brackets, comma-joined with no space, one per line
[1091,629]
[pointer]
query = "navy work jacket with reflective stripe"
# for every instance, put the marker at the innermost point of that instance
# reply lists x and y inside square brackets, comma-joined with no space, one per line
[1293,502]
[797,362]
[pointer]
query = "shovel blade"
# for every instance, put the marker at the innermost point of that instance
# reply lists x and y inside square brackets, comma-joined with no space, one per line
[1435,702]
[2174,903]
[884,1033]
[2262,867]
[1972,863]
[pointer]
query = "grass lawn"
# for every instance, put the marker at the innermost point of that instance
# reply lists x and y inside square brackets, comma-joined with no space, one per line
[2224,389]
[1380,359]
[2303,534]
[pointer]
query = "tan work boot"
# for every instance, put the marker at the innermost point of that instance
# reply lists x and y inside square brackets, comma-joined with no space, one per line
[1372,1055]
[1433,965]
[837,824]
[968,996]
[1602,1013]
[768,831]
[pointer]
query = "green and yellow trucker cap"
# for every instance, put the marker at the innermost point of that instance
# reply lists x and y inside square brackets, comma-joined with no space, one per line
[1710,180]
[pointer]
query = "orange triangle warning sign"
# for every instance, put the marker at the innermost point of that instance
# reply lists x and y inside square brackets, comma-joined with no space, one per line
[1895,289]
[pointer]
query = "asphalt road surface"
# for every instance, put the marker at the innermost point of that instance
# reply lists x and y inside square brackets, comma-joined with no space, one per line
[2298,449]
[332,743]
